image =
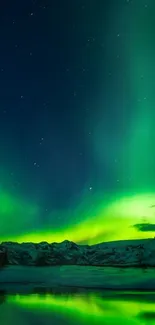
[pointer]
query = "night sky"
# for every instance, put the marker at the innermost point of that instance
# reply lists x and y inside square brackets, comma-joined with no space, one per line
[77,112]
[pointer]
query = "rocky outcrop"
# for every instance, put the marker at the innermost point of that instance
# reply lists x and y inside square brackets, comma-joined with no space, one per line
[137,253]
[3,256]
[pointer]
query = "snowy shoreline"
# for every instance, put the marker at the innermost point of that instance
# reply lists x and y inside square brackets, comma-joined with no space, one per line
[16,279]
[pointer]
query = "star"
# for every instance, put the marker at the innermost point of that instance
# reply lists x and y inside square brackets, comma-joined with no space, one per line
[41,141]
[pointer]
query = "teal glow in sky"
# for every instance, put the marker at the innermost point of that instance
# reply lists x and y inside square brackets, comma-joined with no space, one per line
[77,122]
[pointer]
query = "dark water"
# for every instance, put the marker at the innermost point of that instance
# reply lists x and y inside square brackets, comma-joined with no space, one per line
[89,308]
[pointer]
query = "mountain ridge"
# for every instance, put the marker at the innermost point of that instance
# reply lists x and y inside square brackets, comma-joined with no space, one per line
[124,253]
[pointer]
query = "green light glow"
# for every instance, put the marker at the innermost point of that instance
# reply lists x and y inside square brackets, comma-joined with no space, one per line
[87,308]
[19,221]
[15,214]
[140,52]
[106,224]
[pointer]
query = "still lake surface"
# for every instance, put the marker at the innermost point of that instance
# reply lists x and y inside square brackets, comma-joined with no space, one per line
[78,308]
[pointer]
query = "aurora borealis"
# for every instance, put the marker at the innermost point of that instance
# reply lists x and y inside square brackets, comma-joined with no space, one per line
[77,118]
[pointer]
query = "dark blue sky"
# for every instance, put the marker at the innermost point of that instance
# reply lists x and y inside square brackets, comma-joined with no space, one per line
[51,53]
[67,100]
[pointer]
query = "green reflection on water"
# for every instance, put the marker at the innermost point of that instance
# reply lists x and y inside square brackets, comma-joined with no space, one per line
[89,308]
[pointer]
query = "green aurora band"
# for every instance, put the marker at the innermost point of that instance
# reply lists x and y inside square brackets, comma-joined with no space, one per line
[141,53]
[99,218]
[123,212]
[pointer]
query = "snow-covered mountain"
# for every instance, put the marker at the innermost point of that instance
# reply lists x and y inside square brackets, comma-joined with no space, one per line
[126,253]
